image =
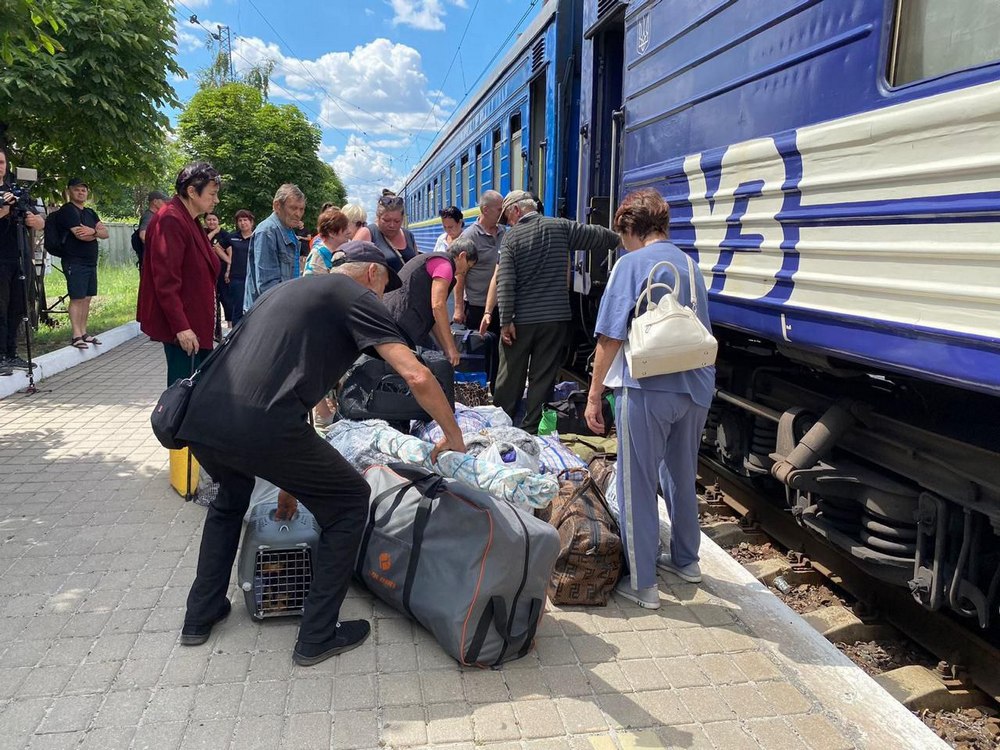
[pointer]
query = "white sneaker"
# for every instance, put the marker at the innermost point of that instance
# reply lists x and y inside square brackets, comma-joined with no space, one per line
[647,598]
[690,572]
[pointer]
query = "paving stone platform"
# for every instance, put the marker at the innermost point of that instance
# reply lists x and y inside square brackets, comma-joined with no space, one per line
[97,553]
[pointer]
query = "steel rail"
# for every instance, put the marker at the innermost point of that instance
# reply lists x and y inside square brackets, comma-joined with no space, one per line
[939,633]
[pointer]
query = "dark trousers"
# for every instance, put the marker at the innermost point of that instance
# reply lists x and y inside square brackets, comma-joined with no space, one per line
[535,354]
[12,307]
[179,362]
[474,316]
[233,297]
[321,479]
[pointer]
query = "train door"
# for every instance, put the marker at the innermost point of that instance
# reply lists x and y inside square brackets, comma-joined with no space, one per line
[608,37]
[537,154]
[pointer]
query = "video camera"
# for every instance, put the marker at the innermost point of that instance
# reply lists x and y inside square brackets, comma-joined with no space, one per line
[17,194]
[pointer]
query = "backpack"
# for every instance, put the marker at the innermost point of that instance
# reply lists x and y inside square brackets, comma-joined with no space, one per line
[566,416]
[54,238]
[590,552]
[137,246]
[371,389]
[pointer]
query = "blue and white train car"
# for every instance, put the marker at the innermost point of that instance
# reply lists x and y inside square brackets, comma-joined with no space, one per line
[833,166]
[514,133]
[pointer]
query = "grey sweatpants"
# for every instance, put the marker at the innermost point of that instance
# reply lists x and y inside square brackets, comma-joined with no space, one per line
[658,438]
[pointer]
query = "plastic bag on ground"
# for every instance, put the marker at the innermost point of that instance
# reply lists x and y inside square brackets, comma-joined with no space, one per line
[556,457]
[470,421]
[512,446]
[355,441]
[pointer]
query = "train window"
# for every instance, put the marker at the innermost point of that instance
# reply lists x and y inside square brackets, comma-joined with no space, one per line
[465,181]
[456,186]
[516,159]
[477,188]
[440,192]
[931,38]
[429,205]
[497,146]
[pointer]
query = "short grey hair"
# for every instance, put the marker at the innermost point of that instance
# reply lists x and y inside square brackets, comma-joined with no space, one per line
[355,213]
[356,269]
[527,206]
[288,190]
[490,198]
[464,245]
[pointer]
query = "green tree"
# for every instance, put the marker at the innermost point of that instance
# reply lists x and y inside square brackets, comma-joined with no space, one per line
[256,146]
[96,107]
[28,25]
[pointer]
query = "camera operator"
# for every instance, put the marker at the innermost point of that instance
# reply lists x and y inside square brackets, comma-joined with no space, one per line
[13,304]
[82,228]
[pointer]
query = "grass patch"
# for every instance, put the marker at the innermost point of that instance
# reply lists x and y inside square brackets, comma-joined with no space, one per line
[113,306]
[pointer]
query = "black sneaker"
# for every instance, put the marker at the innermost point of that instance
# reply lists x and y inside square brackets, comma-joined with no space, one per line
[349,634]
[195,635]
[18,363]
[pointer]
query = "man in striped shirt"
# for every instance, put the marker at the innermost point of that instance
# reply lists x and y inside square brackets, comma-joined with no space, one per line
[533,295]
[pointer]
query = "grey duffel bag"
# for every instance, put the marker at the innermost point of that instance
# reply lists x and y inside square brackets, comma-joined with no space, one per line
[471,569]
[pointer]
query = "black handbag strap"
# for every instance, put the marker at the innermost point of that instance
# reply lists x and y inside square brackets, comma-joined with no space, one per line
[495,615]
[428,484]
[419,526]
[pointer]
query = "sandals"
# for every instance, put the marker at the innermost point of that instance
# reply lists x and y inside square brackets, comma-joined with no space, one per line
[79,342]
[91,339]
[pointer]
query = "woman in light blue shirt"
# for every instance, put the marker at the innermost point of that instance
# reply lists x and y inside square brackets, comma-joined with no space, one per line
[660,418]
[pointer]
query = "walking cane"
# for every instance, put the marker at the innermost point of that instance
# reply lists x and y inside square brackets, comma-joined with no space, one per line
[188,497]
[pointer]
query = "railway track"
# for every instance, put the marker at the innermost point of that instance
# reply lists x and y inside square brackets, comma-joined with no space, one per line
[966,657]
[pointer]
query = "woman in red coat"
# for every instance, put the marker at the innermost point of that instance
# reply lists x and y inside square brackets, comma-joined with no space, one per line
[177,289]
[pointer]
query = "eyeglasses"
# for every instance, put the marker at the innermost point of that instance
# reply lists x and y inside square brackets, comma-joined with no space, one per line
[391,201]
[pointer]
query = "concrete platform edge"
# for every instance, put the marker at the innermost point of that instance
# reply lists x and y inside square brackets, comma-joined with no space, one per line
[860,706]
[55,362]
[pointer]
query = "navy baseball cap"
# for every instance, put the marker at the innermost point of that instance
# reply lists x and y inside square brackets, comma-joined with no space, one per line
[359,251]
[77,181]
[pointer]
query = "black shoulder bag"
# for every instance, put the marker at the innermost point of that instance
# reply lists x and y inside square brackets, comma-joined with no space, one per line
[168,414]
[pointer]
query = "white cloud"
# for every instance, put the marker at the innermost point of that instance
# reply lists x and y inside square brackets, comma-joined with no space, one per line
[365,171]
[391,143]
[421,14]
[188,42]
[379,88]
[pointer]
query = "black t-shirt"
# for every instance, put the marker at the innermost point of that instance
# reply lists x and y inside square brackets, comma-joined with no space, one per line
[240,248]
[292,347]
[77,251]
[147,216]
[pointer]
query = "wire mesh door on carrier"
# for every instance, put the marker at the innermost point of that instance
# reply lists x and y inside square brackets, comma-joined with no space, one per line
[276,561]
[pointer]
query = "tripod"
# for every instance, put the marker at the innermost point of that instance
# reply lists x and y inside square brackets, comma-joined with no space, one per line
[23,260]
[40,311]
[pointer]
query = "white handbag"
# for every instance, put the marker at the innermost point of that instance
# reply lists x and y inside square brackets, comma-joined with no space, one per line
[668,337]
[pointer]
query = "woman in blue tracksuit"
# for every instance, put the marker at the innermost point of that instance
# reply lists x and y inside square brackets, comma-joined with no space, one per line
[660,419]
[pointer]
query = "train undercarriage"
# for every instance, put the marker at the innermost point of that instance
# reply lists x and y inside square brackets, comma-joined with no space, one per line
[904,476]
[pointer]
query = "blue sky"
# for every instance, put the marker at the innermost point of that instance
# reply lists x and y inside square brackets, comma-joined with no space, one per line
[373,74]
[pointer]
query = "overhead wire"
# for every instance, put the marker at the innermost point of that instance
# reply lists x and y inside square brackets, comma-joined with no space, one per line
[486,68]
[299,102]
[326,90]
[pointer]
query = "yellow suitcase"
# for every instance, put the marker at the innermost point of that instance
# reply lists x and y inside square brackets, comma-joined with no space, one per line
[184,475]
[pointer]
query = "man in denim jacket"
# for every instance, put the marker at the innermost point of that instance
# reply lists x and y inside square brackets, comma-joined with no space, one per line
[274,248]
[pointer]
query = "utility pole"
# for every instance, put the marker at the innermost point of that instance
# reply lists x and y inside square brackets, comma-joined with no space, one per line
[224,36]
[225,39]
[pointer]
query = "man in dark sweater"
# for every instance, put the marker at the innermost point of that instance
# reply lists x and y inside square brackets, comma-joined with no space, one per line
[533,296]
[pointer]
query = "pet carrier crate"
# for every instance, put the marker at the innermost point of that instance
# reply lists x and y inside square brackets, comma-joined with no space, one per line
[276,561]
